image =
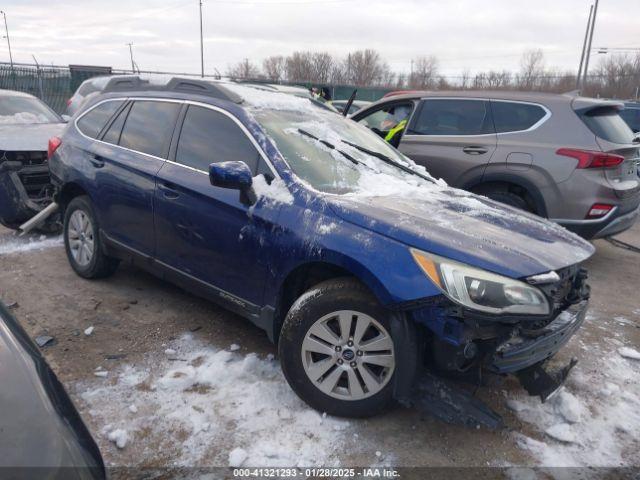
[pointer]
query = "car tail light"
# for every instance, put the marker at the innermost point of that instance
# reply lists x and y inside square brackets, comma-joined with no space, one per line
[54,143]
[591,159]
[599,210]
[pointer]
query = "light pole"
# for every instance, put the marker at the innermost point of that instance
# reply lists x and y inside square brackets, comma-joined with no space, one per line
[6,29]
[593,26]
[201,43]
[584,47]
[133,65]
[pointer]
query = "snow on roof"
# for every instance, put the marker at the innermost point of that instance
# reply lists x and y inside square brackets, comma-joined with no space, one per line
[270,100]
[14,93]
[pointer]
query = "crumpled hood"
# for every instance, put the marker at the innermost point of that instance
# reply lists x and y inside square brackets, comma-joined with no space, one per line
[468,228]
[28,137]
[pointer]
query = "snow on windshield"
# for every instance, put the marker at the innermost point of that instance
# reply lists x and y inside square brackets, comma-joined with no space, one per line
[23,118]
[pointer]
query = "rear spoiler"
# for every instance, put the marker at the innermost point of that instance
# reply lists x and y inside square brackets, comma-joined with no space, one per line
[583,105]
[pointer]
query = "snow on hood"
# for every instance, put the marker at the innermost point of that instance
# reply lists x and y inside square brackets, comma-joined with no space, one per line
[462,226]
[32,137]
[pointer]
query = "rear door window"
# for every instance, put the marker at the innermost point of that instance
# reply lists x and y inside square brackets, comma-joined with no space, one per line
[606,123]
[208,136]
[149,127]
[92,122]
[514,116]
[452,117]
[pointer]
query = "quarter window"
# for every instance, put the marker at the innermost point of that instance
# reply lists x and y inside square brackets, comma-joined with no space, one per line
[149,126]
[209,136]
[452,117]
[515,117]
[92,122]
[113,132]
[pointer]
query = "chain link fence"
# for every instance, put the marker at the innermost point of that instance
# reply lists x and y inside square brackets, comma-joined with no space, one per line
[56,84]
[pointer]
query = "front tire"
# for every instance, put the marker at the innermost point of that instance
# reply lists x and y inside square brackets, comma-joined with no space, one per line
[336,350]
[83,243]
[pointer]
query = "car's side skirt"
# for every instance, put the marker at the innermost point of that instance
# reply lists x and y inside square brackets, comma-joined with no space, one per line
[260,316]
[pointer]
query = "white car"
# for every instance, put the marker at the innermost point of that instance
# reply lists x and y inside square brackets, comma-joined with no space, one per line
[26,125]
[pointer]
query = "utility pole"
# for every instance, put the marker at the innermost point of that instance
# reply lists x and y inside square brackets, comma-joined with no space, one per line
[133,65]
[593,25]
[584,46]
[6,29]
[201,43]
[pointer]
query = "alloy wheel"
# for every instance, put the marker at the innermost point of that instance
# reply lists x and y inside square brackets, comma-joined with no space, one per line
[81,238]
[348,355]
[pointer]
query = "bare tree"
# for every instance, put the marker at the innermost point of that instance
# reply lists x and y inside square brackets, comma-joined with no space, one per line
[299,67]
[465,79]
[531,69]
[425,73]
[321,67]
[243,70]
[617,76]
[365,67]
[274,68]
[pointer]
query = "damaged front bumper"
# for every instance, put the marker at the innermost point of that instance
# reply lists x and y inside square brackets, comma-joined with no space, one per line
[527,348]
[25,186]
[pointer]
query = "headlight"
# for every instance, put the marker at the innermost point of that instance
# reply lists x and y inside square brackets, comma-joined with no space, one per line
[481,290]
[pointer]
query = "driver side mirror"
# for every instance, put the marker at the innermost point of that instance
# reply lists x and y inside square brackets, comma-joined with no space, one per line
[236,176]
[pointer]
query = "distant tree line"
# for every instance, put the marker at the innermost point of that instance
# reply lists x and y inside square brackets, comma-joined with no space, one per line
[616,76]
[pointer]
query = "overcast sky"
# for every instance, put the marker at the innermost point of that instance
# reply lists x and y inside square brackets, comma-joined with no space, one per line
[463,34]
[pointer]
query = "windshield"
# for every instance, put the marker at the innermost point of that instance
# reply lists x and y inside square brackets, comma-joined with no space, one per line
[336,155]
[24,110]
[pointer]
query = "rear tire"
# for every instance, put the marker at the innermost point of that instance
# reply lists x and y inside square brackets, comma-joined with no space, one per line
[343,373]
[507,198]
[83,243]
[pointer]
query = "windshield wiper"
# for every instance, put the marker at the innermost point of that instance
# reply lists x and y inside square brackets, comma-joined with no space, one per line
[331,146]
[388,160]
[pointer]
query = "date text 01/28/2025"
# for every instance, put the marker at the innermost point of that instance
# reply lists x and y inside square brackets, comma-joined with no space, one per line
[319,472]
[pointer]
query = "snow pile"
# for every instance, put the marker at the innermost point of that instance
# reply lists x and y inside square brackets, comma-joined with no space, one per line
[23,118]
[591,422]
[271,100]
[119,437]
[629,352]
[215,408]
[277,192]
[26,244]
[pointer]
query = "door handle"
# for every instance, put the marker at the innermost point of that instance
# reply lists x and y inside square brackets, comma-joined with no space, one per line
[96,161]
[475,150]
[168,191]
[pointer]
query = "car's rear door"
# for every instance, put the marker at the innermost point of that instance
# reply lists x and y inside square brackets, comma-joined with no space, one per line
[204,232]
[453,138]
[132,150]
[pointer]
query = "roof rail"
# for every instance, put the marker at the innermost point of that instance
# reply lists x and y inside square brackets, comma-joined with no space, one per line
[134,83]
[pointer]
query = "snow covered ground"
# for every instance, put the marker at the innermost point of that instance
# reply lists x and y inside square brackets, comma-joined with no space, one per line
[595,419]
[15,244]
[204,406]
[212,407]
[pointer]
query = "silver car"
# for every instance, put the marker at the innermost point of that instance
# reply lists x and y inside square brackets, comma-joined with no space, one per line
[567,158]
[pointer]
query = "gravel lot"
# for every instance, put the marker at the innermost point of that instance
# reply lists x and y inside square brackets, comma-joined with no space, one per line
[188,383]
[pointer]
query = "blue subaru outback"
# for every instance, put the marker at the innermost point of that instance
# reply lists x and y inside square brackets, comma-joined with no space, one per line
[363,268]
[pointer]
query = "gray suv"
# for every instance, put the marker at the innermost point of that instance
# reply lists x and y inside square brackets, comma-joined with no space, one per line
[567,158]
